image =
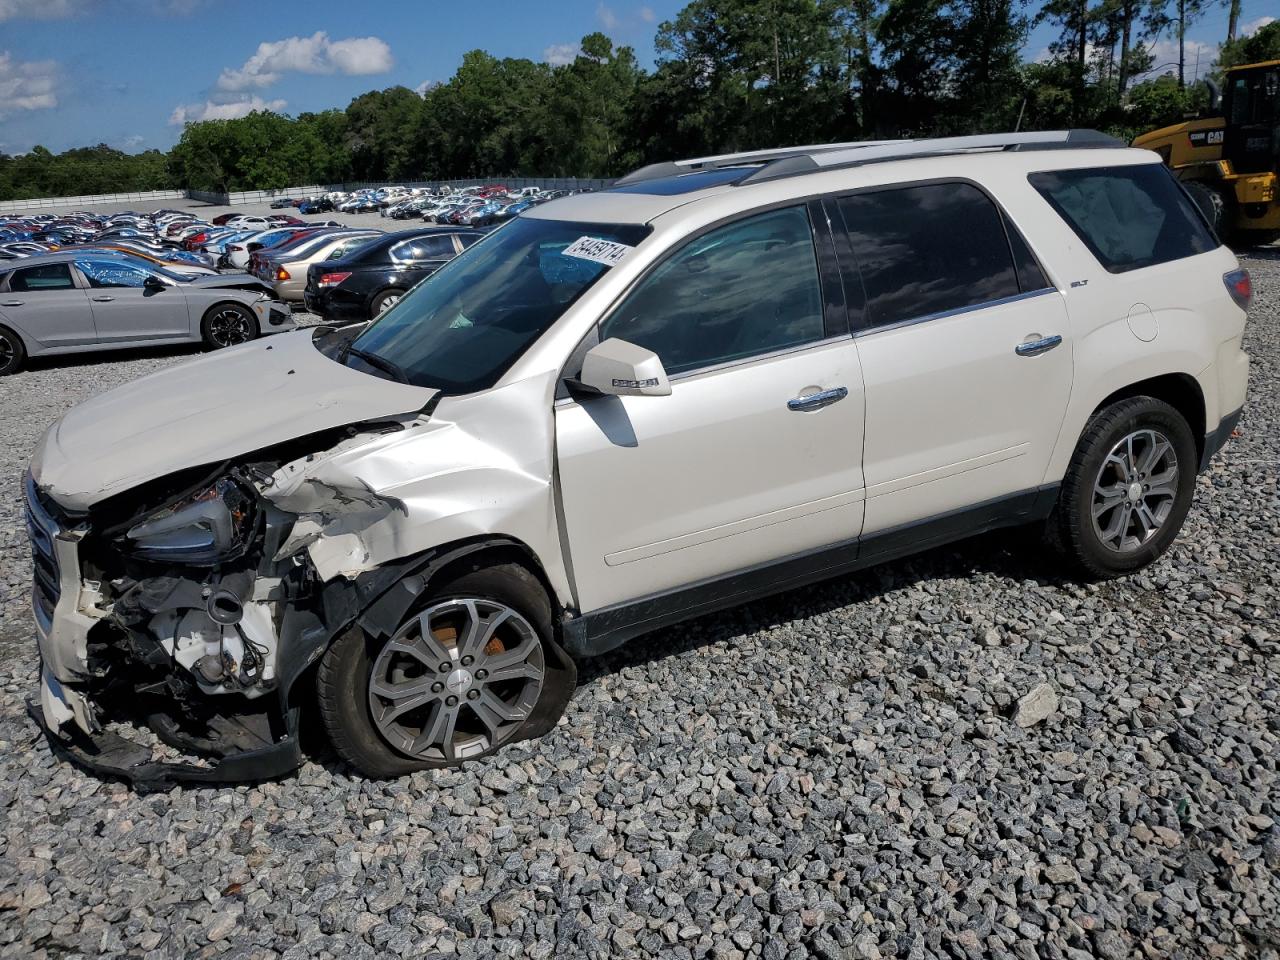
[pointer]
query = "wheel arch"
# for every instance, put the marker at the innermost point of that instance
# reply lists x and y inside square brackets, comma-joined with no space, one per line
[377,600]
[1180,390]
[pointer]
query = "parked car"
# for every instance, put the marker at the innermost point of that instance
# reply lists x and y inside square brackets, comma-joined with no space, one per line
[282,203]
[73,301]
[374,277]
[286,271]
[621,410]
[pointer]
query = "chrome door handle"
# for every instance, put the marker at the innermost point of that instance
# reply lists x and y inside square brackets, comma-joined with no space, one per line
[103,299]
[11,303]
[816,401]
[1036,347]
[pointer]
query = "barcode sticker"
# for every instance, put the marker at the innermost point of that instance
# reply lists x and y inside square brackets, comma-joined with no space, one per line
[600,251]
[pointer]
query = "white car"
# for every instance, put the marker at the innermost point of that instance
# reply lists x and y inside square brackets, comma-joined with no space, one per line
[717,380]
[248,222]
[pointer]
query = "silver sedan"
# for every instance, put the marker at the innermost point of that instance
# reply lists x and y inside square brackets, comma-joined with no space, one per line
[76,301]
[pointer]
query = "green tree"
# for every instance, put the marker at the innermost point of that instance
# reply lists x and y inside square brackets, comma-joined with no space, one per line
[1262,46]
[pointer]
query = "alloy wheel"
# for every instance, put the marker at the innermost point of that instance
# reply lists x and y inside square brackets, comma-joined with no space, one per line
[8,355]
[457,680]
[229,327]
[1135,490]
[387,302]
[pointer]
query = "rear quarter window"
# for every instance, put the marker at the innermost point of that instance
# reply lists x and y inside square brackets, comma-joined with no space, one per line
[1129,217]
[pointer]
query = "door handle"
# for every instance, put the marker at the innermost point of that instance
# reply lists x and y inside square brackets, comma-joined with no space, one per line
[1033,348]
[103,299]
[11,303]
[816,401]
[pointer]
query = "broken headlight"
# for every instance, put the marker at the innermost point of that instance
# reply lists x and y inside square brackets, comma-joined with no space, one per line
[207,527]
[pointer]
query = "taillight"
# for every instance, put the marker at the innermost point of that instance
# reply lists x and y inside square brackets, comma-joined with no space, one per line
[282,273]
[1240,286]
[333,279]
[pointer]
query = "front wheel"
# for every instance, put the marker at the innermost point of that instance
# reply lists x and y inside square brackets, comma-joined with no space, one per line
[470,669]
[1128,488]
[227,324]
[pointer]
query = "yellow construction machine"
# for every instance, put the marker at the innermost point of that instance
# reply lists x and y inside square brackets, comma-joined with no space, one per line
[1229,160]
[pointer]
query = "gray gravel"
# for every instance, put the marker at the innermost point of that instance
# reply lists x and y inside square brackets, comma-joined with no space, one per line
[959,755]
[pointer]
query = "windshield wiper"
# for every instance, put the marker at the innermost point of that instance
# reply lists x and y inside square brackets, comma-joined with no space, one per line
[382,363]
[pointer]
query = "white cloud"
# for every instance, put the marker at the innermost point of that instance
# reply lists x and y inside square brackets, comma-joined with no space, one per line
[1165,58]
[133,142]
[317,54]
[1253,26]
[27,86]
[425,87]
[607,17]
[558,54]
[232,110]
[647,14]
[39,9]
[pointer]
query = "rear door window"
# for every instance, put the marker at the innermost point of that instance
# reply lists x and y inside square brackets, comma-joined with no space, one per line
[1128,217]
[50,276]
[424,248]
[930,249]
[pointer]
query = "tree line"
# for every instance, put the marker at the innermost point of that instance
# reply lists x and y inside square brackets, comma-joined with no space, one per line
[729,75]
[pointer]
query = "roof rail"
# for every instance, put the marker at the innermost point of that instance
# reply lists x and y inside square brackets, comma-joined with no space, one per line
[763,165]
[673,168]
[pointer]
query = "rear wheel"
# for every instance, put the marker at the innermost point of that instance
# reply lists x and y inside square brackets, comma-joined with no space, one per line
[385,301]
[1258,238]
[1128,488]
[470,669]
[12,352]
[1213,204]
[227,324]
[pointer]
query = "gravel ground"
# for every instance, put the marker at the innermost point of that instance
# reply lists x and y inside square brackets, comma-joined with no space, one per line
[840,772]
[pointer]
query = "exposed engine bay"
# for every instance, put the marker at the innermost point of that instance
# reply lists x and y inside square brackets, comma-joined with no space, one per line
[197,604]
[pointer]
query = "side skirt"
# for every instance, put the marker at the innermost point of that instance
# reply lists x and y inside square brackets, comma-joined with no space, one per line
[602,630]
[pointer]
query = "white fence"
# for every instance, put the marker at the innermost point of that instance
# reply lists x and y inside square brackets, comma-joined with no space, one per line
[152,197]
[43,203]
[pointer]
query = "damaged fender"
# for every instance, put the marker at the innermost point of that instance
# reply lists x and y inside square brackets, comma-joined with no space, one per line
[482,465]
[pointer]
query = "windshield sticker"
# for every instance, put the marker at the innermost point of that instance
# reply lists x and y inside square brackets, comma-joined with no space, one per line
[600,251]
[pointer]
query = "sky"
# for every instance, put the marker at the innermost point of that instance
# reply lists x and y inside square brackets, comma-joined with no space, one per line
[129,72]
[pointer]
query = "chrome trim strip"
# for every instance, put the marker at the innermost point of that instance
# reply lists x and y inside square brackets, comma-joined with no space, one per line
[986,304]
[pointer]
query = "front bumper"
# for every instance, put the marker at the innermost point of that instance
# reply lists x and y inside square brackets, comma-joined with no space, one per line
[108,754]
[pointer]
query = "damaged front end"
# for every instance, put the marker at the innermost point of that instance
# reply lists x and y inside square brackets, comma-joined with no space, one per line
[171,612]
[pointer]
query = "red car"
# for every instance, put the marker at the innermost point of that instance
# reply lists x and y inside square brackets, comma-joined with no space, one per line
[221,219]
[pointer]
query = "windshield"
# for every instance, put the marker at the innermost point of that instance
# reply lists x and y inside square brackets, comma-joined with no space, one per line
[460,329]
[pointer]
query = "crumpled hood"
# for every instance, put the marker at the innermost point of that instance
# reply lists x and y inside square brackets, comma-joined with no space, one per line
[228,281]
[213,408]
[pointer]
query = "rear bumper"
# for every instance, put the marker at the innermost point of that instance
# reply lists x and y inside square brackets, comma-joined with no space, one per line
[1217,438]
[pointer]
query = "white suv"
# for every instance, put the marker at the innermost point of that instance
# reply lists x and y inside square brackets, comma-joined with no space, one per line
[719,379]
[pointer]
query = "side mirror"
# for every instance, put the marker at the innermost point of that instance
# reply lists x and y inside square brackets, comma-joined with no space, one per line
[622,369]
[153,284]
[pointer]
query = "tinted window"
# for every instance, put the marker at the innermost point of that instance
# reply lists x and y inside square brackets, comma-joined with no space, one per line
[745,289]
[1128,217]
[50,276]
[111,273]
[424,248]
[1030,276]
[928,249]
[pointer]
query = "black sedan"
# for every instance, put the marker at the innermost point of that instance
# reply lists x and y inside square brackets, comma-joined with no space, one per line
[360,286]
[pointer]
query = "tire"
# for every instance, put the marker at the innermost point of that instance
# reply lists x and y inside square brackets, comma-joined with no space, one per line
[383,301]
[228,324]
[12,353]
[1213,204]
[1128,534]
[384,746]
[1257,238]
